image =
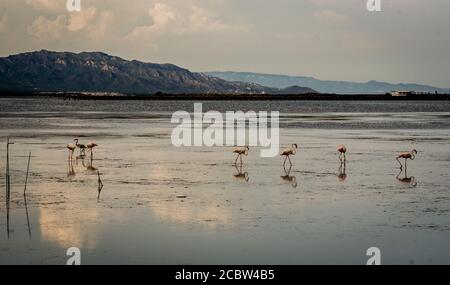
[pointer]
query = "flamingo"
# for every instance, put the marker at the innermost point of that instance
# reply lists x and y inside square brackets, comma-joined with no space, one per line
[342,151]
[288,152]
[90,146]
[240,152]
[406,155]
[71,147]
[82,147]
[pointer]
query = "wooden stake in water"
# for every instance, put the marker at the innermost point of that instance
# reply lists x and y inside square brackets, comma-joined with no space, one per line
[100,186]
[8,185]
[26,178]
[25,196]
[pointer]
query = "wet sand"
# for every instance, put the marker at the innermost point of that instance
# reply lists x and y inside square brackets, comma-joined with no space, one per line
[167,205]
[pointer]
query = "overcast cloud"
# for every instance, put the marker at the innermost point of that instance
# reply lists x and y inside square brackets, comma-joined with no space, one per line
[409,41]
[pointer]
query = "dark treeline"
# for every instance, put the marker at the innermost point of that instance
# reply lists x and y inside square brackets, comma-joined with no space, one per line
[204,97]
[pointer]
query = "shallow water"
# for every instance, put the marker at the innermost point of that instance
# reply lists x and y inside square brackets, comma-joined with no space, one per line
[167,205]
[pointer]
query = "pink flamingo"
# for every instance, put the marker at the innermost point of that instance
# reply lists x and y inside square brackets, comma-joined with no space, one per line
[406,155]
[240,152]
[71,147]
[342,151]
[288,152]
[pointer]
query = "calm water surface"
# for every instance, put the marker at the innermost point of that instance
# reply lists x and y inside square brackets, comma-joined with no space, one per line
[167,205]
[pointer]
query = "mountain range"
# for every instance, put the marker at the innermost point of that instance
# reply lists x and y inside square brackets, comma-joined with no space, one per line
[47,71]
[323,86]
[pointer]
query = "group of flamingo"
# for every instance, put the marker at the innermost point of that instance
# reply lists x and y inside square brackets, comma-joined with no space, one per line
[342,150]
[82,153]
[82,148]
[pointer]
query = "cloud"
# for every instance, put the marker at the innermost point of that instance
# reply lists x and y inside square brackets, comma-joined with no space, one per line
[90,23]
[223,34]
[201,19]
[168,20]
[3,22]
[331,17]
[45,29]
[82,19]
[48,6]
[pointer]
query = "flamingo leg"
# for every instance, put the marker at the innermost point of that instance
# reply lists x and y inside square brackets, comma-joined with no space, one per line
[401,165]
[406,160]
[284,163]
[237,157]
[289,160]
[241,159]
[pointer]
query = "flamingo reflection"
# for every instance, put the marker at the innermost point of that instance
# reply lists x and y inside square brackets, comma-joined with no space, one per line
[405,179]
[342,176]
[241,175]
[288,178]
[70,169]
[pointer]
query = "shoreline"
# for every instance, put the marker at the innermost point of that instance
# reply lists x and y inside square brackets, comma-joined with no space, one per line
[226,97]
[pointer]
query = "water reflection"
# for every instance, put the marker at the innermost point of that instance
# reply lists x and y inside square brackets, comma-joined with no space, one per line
[342,176]
[411,180]
[241,175]
[288,178]
[90,166]
[60,225]
[70,169]
[100,186]
[80,158]
[26,211]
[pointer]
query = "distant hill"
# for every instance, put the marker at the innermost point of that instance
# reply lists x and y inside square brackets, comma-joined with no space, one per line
[322,86]
[47,71]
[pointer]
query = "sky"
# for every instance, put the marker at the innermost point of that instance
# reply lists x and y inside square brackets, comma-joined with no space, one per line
[408,41]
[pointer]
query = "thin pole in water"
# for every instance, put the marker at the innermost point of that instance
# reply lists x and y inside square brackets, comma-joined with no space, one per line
[25,195]
[8,185]
[26,178]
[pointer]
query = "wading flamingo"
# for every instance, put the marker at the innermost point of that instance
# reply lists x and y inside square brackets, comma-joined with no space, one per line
[71,147]
[342,151]
[406,155]
[288,152]
[240,152]
[82,147]
[90,146]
